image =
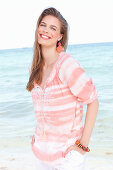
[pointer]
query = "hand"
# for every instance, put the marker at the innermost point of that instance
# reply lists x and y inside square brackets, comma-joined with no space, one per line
[79,149]
[76,148]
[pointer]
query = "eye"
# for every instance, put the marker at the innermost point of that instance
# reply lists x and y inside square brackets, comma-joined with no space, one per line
[42,24]
[53,28]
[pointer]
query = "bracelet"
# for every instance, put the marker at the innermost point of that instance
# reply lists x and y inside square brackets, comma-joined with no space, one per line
[81,146]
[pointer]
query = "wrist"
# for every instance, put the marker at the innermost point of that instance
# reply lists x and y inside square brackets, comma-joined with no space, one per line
[85,148]
[84,142]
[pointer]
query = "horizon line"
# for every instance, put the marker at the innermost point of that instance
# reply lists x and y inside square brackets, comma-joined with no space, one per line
[67,47]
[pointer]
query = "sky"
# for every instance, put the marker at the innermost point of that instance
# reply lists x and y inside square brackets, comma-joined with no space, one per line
[90,21]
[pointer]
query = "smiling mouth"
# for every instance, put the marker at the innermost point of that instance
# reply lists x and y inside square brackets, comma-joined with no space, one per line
[44,37]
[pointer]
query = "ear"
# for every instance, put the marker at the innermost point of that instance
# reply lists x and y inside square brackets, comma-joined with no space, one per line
[61,35]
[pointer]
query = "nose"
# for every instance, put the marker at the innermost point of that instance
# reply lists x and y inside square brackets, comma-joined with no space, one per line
[46,29]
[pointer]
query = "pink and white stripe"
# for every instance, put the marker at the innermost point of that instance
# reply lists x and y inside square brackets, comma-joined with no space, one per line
[59,108]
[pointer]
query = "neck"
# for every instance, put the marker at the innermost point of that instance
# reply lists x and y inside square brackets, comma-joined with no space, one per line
[50,55]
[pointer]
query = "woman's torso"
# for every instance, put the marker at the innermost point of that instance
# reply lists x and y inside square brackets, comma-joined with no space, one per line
[56,111]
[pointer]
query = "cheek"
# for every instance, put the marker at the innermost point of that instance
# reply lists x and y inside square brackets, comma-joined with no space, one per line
[55,35]
[38,30]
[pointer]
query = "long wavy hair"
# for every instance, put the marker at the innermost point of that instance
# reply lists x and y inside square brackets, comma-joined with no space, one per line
[36,70]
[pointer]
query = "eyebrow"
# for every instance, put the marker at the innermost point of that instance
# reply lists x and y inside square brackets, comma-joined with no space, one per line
[45,23]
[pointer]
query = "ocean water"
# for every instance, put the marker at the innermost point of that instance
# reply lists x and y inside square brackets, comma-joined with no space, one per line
[17,118]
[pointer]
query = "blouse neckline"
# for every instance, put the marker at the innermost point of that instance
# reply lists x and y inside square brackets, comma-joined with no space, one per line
[52,74]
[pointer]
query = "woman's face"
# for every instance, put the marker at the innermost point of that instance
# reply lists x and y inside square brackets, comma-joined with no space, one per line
[49,31]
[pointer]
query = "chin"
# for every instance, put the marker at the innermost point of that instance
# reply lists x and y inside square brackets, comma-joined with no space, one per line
[46,44]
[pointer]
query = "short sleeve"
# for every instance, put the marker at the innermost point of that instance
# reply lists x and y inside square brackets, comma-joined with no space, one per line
[77,80]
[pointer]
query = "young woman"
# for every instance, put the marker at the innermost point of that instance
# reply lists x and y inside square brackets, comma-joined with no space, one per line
[59,87]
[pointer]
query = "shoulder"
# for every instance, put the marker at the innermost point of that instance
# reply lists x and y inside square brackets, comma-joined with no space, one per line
[68,68]
[67,60]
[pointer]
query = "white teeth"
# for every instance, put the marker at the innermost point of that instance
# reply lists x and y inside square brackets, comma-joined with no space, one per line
[43,36]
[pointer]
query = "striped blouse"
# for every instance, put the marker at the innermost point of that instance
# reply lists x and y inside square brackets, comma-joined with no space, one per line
[59,108]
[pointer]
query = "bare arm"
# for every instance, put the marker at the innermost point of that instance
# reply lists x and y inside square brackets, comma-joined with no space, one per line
[91,113]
